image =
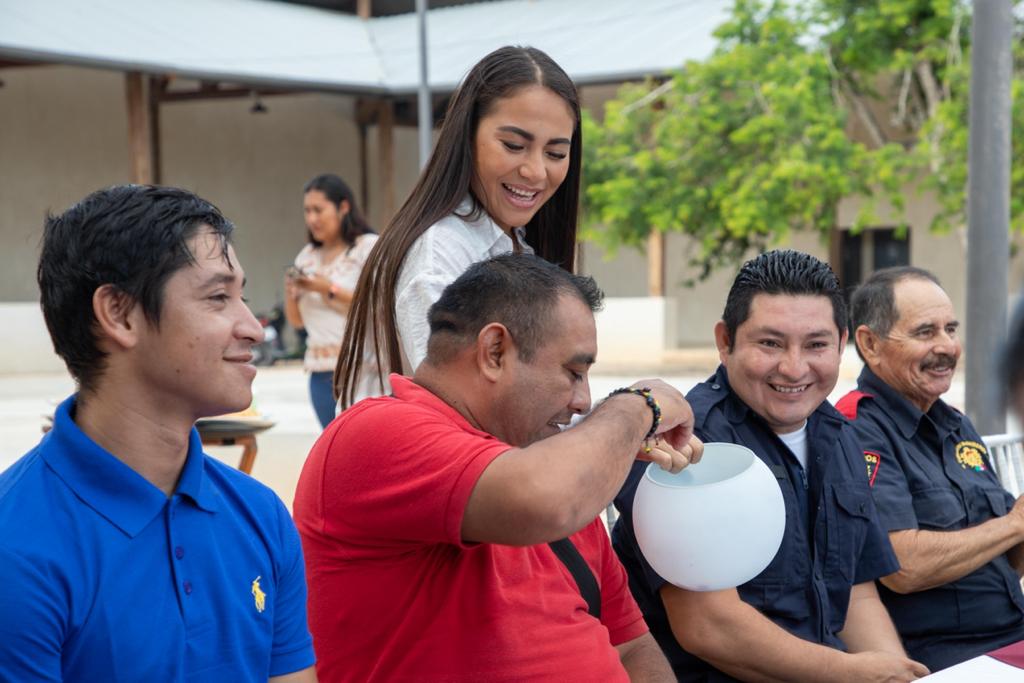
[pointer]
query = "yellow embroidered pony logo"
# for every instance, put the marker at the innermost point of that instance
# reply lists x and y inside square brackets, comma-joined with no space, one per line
[258,595]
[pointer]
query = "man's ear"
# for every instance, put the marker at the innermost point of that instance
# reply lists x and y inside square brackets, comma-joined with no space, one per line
[722,340]
[494,349]
[117,316]
[868,343]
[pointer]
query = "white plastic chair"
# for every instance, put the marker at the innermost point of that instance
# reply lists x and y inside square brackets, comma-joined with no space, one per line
[1006,453]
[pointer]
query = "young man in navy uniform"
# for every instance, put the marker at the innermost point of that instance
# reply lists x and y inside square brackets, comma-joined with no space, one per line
[813,614]
[957,533]
[126,554]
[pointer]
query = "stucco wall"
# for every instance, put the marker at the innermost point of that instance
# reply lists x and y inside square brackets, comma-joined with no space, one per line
[943,254]
[63,134]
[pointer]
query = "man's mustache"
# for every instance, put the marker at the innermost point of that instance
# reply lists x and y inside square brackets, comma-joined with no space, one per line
[940,361]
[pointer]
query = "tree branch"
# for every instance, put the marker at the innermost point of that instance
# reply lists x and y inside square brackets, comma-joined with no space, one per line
[930,87]
[759,96]
[900,118]
[874,131]
[953,54]
[847,90]
[648,98]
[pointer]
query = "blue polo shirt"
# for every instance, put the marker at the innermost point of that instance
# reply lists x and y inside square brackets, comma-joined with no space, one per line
[932,471]
[832,540]
[105,578]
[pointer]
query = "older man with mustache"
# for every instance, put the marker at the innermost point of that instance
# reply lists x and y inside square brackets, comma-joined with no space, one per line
[958,534]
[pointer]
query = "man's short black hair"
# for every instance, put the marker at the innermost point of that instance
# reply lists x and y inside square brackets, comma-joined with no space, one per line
[873,303]
[782,271]
[518,291]
[133,237]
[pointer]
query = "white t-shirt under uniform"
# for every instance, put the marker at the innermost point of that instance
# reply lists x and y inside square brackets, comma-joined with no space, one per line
[797,443]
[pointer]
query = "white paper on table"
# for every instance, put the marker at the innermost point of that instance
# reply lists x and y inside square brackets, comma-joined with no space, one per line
[979,669]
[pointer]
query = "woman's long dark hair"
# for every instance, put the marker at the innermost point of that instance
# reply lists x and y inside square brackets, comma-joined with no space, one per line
[441,187]
[337,191]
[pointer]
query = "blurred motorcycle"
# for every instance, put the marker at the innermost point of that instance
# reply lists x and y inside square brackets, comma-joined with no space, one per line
[271,348]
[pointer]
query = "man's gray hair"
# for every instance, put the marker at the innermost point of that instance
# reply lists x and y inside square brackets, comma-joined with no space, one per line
[873,303]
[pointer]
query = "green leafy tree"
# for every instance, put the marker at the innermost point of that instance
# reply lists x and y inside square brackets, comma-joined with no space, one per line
[942,149]
[798,107]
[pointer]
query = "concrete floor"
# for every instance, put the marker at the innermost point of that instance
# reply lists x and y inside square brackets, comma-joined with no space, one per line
[281,395]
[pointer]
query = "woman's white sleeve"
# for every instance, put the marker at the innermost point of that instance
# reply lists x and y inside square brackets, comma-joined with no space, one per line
[411,307]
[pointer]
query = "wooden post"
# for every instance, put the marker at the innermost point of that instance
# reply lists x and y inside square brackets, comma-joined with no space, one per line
[363,8]
[139,140]
[364,176]
[366,112]
[656,263]
[835,254]
[386,163]
[157,84]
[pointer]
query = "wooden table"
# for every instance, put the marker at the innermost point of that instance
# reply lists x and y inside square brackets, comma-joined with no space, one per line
[227,432]
[246,440]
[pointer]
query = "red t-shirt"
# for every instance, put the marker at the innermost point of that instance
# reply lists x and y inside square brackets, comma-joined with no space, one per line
[394,592]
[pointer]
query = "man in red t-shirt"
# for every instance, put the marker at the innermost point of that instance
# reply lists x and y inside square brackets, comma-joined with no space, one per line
[426,515]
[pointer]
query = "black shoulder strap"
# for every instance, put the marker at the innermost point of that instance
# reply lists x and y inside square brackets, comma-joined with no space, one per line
[577,566]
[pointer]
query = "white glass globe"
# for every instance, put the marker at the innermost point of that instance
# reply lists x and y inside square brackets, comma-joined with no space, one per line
[717,524]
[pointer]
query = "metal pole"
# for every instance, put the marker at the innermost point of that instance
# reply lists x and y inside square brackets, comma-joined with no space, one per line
[988,209]
[426,116]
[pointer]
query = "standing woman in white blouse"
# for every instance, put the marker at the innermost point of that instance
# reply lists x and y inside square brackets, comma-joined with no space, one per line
[320,286]
[504,177]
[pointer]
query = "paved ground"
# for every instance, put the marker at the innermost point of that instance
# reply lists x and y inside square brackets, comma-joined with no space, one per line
[281,394]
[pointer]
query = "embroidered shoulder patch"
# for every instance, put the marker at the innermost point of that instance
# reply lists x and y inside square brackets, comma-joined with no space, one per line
[847,405]
[969,455]
[873,460]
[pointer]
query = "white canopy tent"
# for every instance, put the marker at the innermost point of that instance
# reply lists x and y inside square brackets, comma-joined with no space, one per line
[276,44]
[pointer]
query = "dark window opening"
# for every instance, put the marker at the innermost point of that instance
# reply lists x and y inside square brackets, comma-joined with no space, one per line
[867,251]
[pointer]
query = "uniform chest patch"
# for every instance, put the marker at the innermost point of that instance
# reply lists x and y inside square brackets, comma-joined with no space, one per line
[873,460]
[969,455]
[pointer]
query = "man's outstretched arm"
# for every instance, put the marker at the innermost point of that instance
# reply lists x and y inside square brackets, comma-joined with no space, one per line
[307,675]
[556,486]
[735,638]
[644,661]
[934,558]
[869,627]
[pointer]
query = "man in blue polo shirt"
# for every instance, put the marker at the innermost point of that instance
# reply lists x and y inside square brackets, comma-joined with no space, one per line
[813,614]
[958,534]
[126,554]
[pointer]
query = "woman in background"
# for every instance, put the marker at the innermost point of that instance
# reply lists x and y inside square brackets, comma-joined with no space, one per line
[504,176]
[320,286]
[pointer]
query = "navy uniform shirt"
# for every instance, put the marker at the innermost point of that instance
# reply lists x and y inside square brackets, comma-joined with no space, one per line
[932,471]
[105,578]
[832,541]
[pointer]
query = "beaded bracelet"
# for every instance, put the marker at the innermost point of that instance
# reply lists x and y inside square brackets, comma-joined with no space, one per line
[645,393]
